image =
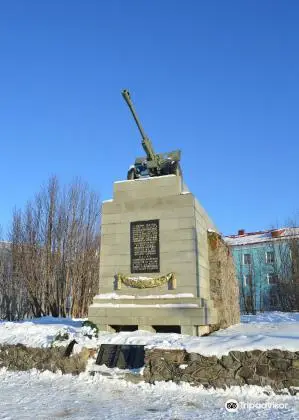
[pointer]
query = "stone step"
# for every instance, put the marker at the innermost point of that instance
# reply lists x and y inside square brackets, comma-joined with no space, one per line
[151,301]
[144,315]
[180,302]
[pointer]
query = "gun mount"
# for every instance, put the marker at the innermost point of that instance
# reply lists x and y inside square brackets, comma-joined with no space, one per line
[153,164]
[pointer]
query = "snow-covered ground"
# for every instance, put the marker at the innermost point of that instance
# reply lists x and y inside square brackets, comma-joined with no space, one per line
[28,395]
[264,331]
[33,395]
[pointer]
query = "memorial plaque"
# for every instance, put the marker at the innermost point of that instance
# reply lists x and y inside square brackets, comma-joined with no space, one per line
[123,356]
[145,252]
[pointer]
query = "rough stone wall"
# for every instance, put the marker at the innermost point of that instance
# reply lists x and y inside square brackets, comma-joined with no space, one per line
[19,357]
[223,281]
[276,368]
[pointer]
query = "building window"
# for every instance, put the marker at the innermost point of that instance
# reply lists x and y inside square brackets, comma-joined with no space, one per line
[269,257]
[248,280]
[246,259]
[272,278]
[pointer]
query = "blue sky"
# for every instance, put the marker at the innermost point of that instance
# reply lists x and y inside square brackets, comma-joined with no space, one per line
[218,79]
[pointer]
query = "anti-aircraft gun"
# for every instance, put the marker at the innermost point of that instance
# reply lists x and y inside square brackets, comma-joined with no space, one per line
[153,164]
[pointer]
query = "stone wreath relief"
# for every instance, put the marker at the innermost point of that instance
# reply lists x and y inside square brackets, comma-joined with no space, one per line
[145,282]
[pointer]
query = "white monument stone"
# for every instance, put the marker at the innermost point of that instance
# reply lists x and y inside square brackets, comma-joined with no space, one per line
[154,260]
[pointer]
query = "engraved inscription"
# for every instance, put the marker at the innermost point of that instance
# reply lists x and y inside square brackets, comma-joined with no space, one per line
[145,252]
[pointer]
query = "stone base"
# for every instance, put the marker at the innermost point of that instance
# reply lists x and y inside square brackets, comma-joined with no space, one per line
[183,252]
[191,316]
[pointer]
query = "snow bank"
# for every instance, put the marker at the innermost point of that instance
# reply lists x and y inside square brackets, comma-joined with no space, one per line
[262,332]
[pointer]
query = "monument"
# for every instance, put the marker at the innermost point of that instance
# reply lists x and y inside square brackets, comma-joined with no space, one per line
[155,254]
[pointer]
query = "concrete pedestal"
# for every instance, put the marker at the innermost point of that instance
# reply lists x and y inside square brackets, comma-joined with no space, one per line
[183,250]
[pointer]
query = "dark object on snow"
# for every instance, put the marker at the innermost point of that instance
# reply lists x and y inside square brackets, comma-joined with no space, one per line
[121,356]
[69,349]
[93,327]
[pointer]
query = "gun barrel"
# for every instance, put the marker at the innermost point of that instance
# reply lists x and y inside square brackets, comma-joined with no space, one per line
[126,95]
[146,143]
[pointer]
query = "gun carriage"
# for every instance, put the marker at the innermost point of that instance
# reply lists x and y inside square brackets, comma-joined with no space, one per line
[153,164]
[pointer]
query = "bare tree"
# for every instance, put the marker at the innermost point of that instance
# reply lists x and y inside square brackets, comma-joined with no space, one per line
[55,243]
[285,286]
[14,303]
